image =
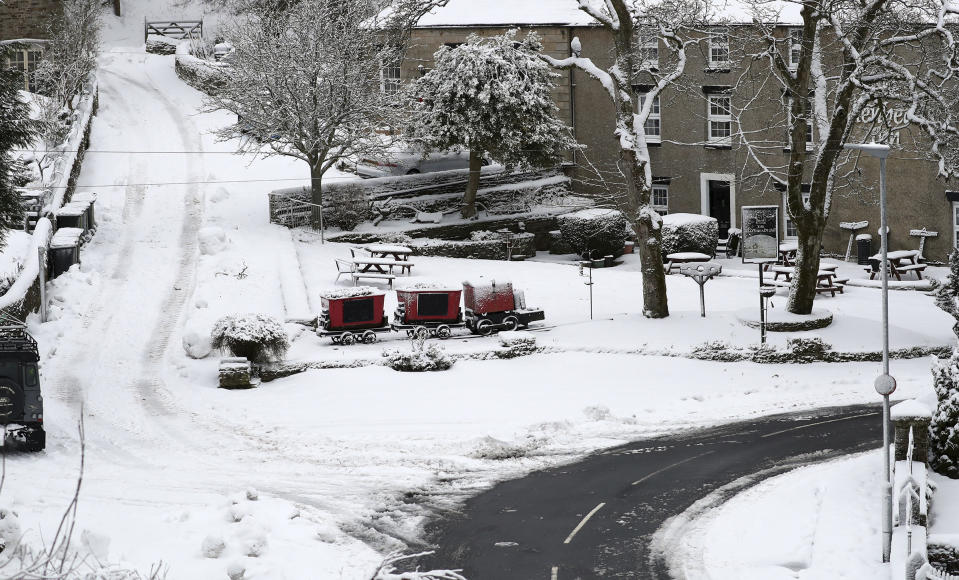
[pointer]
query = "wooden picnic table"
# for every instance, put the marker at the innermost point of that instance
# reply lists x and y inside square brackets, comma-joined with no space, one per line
[397,252]
[787,253]
[379,264]
[900,262]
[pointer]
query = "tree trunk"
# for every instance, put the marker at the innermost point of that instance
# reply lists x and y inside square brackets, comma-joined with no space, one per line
[316,198]
[472,185]
[649,239]
[802,293]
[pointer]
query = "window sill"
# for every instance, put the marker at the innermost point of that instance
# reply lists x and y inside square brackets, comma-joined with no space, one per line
[718,145]
[717,69]
[653,143]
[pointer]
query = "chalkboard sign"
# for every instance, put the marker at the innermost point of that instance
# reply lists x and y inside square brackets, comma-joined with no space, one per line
[760,233]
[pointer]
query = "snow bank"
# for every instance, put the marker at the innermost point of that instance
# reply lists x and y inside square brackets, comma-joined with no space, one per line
[689,232]
[212,240]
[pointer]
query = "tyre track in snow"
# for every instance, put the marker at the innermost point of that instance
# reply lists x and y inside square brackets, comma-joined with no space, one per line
[151,387]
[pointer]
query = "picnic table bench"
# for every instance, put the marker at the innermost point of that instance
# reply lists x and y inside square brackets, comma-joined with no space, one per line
[344,266]
[900,262]
[678,258]
[393,254]
[826,278]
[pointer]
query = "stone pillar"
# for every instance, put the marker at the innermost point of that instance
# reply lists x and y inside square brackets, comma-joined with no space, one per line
[916,415]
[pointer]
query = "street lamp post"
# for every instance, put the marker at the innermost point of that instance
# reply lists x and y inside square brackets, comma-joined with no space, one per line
[885,384]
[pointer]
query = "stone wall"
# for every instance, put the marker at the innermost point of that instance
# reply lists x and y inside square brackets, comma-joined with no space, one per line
[26,18]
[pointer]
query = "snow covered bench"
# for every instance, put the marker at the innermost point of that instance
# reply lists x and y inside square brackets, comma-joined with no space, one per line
[684,258]
[350,267]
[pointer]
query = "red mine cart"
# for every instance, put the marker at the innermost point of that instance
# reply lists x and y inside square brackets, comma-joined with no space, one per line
[496,306]
[428,310]
[353,314]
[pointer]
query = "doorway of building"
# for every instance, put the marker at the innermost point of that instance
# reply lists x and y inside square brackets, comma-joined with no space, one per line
[719,205]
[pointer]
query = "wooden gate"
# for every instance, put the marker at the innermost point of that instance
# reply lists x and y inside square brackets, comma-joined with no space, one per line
[174,29]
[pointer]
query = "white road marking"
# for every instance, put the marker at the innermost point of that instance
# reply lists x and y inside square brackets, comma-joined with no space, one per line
[815,424]
[677,464]
[582,523]
[555,574]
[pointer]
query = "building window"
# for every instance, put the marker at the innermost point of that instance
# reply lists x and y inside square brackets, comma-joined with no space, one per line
[648,50]
[795,47]
[25,61]
[660,198]
[790,226]
[719,119]
[390,79]
[719,48]
[653,125]
[809,131]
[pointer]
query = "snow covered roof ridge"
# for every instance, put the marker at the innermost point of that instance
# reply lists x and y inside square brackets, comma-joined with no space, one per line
[507,13]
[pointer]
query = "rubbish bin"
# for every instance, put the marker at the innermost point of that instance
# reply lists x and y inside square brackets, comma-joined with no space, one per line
[863,248]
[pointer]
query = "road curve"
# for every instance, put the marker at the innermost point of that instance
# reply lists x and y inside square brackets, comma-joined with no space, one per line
[595,518]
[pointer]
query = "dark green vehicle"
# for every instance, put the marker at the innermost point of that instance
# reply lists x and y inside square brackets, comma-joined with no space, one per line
[21,404]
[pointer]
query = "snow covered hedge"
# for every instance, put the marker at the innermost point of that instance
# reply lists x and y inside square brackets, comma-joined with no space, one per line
[421,358]
[601,232]
[203,75]
[159,44]
[257,337]
[689,232]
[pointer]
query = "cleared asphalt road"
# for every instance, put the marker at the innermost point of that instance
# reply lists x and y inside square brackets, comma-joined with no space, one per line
[595,518]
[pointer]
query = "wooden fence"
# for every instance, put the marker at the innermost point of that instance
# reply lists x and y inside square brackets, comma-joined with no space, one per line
[173,28]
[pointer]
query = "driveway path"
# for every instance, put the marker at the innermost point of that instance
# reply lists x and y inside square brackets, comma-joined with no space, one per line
[596,518]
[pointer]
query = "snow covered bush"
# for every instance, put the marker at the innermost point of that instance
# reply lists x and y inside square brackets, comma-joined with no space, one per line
[212,546]
[257,337]
[598,232]
[347,206]
[944,428]
[421,357]
[517,343]
[689,232]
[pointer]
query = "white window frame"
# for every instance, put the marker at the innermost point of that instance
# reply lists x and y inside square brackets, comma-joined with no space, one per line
[390,79]
[655,119]
[719,46]
[648,50]
[955,224]
[795,47]
[810,136]
[663,190]
[716,116]
[19,60]
[787,220]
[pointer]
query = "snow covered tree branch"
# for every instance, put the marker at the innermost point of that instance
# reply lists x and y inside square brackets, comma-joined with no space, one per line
[856,71]
[492,96]
[308,82]
[634,89]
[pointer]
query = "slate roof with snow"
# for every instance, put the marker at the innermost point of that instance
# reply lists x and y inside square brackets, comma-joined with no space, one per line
[567,13]
[507,13]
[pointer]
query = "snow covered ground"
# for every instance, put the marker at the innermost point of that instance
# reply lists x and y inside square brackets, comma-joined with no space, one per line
[335,456]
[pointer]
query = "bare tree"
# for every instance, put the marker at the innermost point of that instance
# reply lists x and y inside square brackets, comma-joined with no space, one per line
[848,71]
[71,54]
[670,21]
[310,81]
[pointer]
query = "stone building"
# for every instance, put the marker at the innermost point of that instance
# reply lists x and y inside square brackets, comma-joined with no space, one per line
[699,163]
[22,24]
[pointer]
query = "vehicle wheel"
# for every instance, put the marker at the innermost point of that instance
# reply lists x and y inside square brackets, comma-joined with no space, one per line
[35,439]
[369,337]
[484,327]
[347,338]
[421,332]
[443,332]
[413,171]
[511,323]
